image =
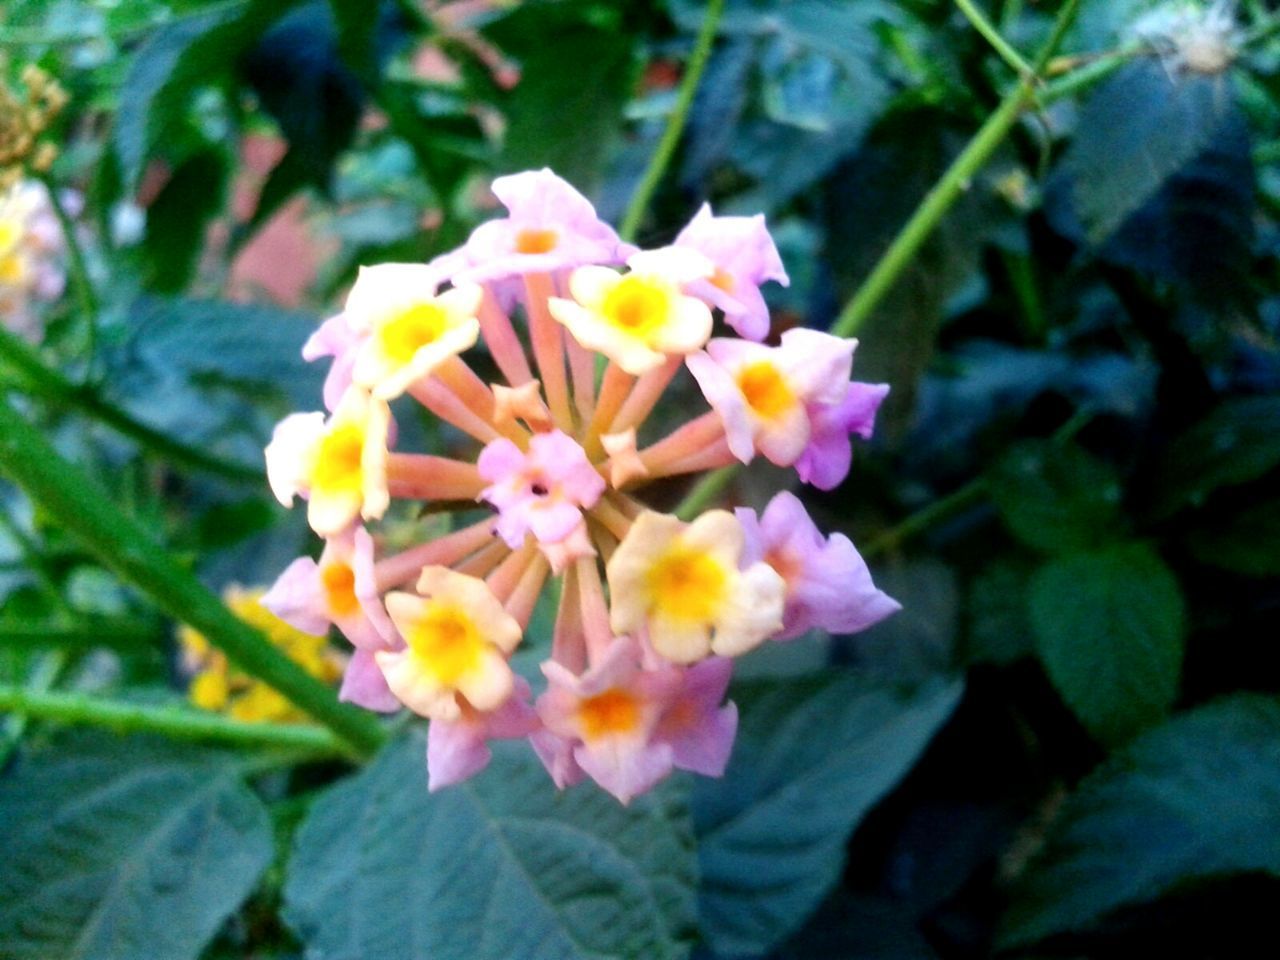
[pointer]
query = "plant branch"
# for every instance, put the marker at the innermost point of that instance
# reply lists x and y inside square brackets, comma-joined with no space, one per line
[675,123]
[944,509]
[180,723]
[947,190]
[706,490]
[998,43]
[79,275]
[121,544]
[52,386]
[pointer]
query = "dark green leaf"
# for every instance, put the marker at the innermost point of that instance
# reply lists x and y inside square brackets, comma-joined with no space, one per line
[813,756]
[1141,127]
[124,849]
[1109,627]
[1248,542]
[1056,497]
[497,868]
[1197,798]
[576,74]
[999,630]
[1236,443]
[179,216]
[177,57]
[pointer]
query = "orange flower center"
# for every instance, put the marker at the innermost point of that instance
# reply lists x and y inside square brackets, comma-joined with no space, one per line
[536,241]
[765,390]
[339,582]
[612,712]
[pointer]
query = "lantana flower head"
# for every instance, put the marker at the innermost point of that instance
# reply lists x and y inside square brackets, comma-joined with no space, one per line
[587,335]
[32,249]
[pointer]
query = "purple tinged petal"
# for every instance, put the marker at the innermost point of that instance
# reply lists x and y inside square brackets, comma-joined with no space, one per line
[699,730]
[364,685]
[455,752]
[726,400]
[825,462]
[297,597]
[626,770]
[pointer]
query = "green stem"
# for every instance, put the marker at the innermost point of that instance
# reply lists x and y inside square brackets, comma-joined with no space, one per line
[79,275]
[944,193]
[75,501]
[180,723]
[992,36]
[47,383]
[675,123]
[42,678]
[706,490]
[35,563]
[944,509]
[85,633]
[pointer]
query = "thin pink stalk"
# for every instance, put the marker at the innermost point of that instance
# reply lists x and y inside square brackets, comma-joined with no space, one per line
[401,568]
[548,347]
[568,646]
[582,367]
[692,439]
[504,345]
[525,595]
[446,405]
[611,518]
[709,458]
[645,394]
[502,581]
[483,561]
[614,388]
[421,476]
[463,382]
[595,611]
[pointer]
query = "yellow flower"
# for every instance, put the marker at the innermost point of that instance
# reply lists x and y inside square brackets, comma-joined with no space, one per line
[218,686]
[457,635]
[410,329]
[682,583]
[639,318]
[340,464]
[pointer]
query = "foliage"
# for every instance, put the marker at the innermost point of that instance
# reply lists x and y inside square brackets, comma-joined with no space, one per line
[1065,744]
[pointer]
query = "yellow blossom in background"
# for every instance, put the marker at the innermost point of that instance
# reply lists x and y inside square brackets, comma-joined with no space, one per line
[219,686]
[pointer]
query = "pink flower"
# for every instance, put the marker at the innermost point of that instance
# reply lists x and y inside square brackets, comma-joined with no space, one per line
[745,257]
[699,730]
[825,461]
[457,750]
[334,338]
[609,715]
[766,396]
[310,595]
[828,583]
[542,492]
[549,226]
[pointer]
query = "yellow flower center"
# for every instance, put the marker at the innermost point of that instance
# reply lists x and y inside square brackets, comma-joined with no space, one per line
[636,305]
[12,268]
[536,241]
[339,582]
[687,585]
[409,331]
[446,642]
[611,712]
[338,463]
[765,390]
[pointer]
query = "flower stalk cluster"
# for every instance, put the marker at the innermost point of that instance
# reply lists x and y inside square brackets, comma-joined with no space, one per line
[587,334]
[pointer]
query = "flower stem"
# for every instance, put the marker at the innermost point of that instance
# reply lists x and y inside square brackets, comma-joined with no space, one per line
[79,276]
[82,633]
[706,490]
[675,123]
[42,381]
[947,190]
[75,501]
[998,43]
[944,509]
[180,723]
[43,676]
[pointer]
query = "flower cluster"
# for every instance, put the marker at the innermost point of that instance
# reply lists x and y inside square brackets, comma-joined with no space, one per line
[218,686]
[31,255]
[651,609]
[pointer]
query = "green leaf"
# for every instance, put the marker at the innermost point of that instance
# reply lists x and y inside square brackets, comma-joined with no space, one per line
[1236,443]
[999,631]
[500,867]
[1196,799]
[179,216]
[1056,497]
[1139,128]
[1109,628]
[576,74]
[814,755]
[170,65]
[1248,542]
[125,849]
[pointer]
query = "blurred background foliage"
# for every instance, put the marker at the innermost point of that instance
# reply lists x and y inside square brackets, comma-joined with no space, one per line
[1068,743]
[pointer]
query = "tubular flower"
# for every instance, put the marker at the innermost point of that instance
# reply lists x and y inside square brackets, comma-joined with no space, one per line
[217,685]
[31,255]
[650,608]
